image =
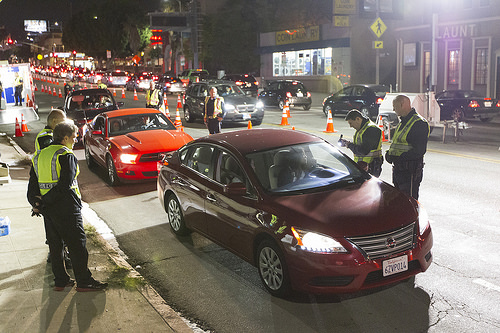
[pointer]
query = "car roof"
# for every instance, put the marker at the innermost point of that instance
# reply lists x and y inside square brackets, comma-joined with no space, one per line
[128,112]
[368,85]
[89,92]
[247,141]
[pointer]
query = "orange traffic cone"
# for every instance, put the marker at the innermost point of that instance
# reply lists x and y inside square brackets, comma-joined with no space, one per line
[293,128]
[287,106]
[85,85]
[29,103]
[47,90]
[179,103]
[165,102]
[36,88]
[54,92]
[24,127]
[135,95]
[43,90]
[18,129]
[123,92]
[329,123]
[114,92]
[178,121]
[60,93]
[284,118]
[57,81]
[381,126]
[249,124]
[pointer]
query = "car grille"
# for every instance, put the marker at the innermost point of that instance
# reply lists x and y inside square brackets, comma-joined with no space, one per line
[150,173]
[153,157]
[385,244]
[245,107]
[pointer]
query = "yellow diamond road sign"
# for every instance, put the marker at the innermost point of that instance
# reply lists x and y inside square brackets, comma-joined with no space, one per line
[378,27]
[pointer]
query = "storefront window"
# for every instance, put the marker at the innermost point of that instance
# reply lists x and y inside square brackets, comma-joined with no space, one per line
[303,62]
[453,66]
[481,70]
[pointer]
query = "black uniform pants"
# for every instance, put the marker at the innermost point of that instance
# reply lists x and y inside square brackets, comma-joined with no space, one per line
[67,227]
[407,177]
[213,125]
[18,96]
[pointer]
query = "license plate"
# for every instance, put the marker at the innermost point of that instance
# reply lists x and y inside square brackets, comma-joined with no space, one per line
[246,116]
[395,265]
[299,94]
[487,104]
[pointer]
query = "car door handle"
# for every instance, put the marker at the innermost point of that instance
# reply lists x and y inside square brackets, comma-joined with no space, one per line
[179,181]
[210,197]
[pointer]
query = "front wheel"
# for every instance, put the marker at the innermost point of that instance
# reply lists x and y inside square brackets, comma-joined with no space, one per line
[188,116]
[175,217]
[112,176]
[306,107]
[272,269]
[281,104]
[326,109]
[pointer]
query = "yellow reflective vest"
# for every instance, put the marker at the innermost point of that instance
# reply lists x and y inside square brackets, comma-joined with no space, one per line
[152,97]
[358,140]
[399,143]
[217,106]
[44,132]
[48,169]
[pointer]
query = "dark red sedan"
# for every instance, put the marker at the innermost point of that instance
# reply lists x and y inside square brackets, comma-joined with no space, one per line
[297,208]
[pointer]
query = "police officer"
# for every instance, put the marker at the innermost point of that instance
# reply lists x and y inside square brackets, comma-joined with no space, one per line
[44,138]
[18,87]
[53,191]
[153,96]
[101,85]
[408,147]
[367,145]
[214,106]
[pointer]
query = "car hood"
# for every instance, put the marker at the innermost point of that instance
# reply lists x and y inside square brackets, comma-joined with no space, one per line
[152,140]
[359,209]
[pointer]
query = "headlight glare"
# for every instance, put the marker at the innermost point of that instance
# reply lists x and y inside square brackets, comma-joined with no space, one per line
[229,107]
[128,158]
[423,219]
[259,105]
[317,243]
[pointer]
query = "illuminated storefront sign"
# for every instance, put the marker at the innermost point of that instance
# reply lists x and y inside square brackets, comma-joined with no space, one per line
[299,35]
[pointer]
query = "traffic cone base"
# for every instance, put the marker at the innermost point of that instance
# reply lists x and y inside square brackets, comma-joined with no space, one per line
[123,93]
[18,132]
[249,124]
[135,95]
[329,123]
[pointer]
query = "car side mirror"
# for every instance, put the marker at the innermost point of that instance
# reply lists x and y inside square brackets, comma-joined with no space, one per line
[97,132]
[235,189]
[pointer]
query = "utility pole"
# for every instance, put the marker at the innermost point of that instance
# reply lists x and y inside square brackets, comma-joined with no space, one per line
[377,51]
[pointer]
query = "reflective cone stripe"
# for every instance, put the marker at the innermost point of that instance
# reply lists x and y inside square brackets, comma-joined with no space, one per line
[249,124]
[60,93]
[329,123]
[284,118]
[135,95]
[54,93]
[179,103]
[18,132]
[381,126]
[178,121]
[123,92]
[114,92]
[24,127]
[287,105]
[48,91]
[165,104]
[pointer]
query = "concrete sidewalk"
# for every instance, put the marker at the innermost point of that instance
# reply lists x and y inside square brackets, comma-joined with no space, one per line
[27,300]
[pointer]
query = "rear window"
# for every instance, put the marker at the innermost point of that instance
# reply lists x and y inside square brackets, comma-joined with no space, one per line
[296,86]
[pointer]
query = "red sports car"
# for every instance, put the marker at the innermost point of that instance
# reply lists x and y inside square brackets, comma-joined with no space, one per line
[297,208]
[130,142]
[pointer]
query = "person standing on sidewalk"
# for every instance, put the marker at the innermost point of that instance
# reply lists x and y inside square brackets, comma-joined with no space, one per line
[53,191]
[408,147]
[18,90]
[367,145]
[214,106]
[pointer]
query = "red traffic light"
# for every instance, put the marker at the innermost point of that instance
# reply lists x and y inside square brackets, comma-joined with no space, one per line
[74,52]
[10,41]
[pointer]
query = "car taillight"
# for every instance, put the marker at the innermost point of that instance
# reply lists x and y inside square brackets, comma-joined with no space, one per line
[111,79]
[473,104]
[308,94]
[498,104]
[256,83]
[288,94]
[168,85]
[239,83]
[379,100]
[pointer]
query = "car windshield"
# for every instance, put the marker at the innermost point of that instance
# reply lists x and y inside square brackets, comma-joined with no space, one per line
[229,90]
[304,168]
[90,101]
[380,91]
[138,122]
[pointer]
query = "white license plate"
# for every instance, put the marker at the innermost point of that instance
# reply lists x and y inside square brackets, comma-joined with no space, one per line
[246,116]
[395,265]
[487,104]
[299,94]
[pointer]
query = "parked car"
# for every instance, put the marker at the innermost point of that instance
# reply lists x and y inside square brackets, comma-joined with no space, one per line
[365,98]
[171,84]
[306,215]
[140,81]
[248,83]
[277,92]
[95,76]
[466,104]
[84,104]
[130,142]
[193,75]
[115,78]
[238,107]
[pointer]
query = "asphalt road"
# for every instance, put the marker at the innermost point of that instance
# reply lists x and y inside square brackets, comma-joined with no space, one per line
[459,292]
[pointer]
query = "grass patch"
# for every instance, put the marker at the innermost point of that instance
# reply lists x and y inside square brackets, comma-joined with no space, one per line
[119,277]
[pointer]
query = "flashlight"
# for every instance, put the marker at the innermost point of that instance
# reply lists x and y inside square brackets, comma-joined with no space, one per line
[340,140]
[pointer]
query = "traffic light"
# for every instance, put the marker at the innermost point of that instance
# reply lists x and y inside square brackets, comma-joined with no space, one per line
[74,53]
[156,37]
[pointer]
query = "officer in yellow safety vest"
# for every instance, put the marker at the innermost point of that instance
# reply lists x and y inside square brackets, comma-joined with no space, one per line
[153,96]
[53,191]
[367,145]
[44,138]
[18,90]
[101,85]
[408,147]
[214,111]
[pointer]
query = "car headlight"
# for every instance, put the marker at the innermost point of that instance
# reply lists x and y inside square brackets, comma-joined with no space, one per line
[128,158]
[423,219]
[315,242]
[229,107]
[259,105]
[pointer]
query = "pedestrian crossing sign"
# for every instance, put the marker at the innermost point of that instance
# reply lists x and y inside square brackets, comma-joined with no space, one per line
[378,27]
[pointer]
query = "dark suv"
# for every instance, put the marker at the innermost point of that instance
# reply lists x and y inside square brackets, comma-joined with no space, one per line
[238,107]
[278,91]
[246,82]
